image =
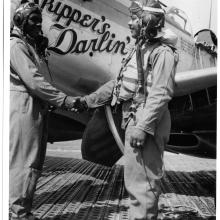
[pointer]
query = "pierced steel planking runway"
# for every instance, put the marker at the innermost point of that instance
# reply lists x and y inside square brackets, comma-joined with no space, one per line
[79,190]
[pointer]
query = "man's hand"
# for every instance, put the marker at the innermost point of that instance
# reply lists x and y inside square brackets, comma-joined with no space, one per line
[75,104]
[80,105]
[137,138]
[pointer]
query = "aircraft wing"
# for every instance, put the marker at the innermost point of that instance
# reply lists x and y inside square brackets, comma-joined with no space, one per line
[195,80]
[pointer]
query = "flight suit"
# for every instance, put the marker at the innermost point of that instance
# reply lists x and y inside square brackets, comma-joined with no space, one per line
[144,166]
[30,96]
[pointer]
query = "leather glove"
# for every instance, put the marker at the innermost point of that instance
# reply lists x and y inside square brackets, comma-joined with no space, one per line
[75,104]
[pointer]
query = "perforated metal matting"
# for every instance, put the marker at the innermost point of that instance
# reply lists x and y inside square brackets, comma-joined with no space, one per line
[80,190]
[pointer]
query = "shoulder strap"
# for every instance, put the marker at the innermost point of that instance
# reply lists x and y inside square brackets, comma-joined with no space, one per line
[141,91]
[117,86]
[150,50]
[140,66]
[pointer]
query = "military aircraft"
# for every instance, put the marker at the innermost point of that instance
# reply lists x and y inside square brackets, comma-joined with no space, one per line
[88,39]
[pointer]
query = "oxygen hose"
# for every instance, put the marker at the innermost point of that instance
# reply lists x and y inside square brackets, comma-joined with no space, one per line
[113,128]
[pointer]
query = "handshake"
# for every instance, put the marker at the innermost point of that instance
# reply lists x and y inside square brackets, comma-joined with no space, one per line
[75,104]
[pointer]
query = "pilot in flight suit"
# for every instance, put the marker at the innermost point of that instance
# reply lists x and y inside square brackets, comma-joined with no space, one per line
[30,96]
[146,118]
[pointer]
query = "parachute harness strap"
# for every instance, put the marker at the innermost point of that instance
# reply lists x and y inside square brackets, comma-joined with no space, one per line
[116,92]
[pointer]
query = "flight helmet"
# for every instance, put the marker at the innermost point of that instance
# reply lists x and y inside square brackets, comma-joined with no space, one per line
[22,14]
[151,15]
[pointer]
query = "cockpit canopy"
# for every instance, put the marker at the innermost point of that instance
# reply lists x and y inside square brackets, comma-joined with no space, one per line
[179,19]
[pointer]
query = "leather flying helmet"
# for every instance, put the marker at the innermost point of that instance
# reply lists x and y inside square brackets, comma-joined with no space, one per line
[22,14]
[151,15]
